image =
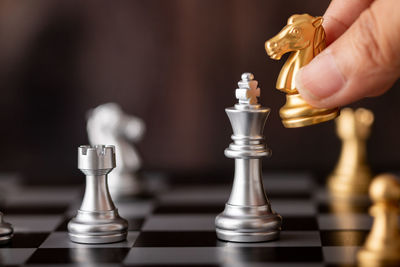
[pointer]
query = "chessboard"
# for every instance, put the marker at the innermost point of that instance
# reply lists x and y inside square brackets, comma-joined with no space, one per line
[175,227]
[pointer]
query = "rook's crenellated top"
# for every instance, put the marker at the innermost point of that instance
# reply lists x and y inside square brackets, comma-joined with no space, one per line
[98,157]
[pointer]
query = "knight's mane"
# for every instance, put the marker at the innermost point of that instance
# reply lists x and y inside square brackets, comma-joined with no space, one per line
[319,40]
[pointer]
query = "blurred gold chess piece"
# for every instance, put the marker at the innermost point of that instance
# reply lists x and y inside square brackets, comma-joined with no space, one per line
[382,247]
[352,175]
[304,37]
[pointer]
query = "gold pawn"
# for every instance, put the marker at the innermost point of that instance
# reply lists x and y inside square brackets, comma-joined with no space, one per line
[382,247]
[352,175]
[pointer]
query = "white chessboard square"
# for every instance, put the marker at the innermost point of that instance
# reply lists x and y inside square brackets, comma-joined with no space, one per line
[173,255]
[322,195]
[34,223]
[33,196]
[288,181]
[61,240]
[187,195]
[137,209]
[15,256]
[343,221]
[177,222]
[294,207]
[340,255]
[286,239]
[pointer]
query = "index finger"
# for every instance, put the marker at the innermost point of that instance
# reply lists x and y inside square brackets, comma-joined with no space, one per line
[340,15]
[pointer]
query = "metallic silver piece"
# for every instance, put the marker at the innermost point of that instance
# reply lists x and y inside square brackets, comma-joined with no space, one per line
[248,216]
[6,231]
[97,220]
[108,124]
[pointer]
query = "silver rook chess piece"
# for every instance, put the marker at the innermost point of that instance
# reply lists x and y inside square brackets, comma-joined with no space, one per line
[108,124]
[97,220]
[248,216]
[6,230]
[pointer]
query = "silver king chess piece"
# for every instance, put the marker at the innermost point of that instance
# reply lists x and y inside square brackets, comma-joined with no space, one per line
[248,216]
[97,220]
[108,124]
[6,230]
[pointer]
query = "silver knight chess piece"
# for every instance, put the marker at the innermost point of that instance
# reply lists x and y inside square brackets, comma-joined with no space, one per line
[6,230]
[108,124]
[97,220]
[248,216]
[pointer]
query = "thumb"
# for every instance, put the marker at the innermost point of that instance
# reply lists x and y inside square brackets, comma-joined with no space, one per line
[364,61]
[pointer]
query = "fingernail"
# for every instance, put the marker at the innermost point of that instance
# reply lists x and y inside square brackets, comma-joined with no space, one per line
[321,78]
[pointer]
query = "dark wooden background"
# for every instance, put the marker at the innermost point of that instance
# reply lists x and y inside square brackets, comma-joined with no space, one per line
[174,63]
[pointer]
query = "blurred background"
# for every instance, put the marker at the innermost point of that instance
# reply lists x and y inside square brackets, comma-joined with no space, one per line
[175,64]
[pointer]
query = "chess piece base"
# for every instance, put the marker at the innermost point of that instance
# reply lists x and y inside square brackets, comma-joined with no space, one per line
[97,227]
[248,224]
[6,231]
[90,239]
[4,239]
[244,237]
[298,113]
[376,259]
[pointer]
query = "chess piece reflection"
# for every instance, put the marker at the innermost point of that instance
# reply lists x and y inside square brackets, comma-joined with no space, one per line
[382,247]
[304,37]
[6,231]
[352,175]
[107,124]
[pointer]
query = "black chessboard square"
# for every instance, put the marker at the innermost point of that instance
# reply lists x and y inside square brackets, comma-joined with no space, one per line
[299,223]
[177,239]
[78,255]
[288,195]
[343,238]
[273,254]
[34,209]
[26,240]
[340,256]
[225,256]
[135,224]
[354,208]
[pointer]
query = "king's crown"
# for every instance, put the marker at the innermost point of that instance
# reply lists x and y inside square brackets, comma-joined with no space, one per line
[248,90]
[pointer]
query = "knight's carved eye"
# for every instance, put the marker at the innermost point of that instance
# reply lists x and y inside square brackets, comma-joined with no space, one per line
[295,31]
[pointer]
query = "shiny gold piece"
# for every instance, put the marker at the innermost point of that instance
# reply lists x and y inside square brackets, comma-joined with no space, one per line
[304,37]
[346,205]
[352,175]
[382,247]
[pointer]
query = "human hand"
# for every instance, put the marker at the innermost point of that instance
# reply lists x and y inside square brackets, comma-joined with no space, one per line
[363,54]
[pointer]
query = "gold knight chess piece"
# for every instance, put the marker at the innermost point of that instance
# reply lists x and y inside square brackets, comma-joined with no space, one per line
[352,175]
[382,246]
[304,37]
